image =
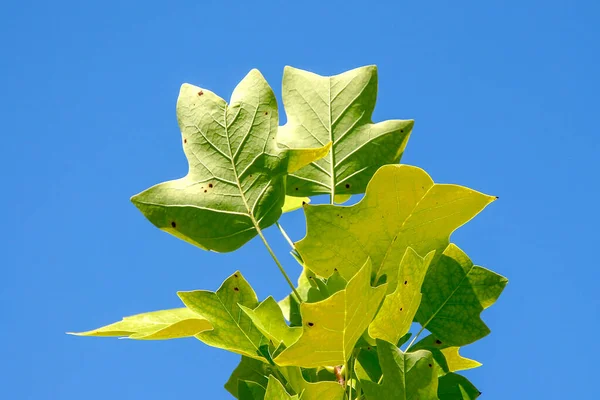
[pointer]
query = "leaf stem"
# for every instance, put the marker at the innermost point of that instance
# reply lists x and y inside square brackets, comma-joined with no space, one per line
[285,235]
[414,339]
[281,269]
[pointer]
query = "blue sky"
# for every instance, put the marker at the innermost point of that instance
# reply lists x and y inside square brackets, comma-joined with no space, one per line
[505,99]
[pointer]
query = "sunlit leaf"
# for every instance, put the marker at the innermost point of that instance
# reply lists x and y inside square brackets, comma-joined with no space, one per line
[402,208]
[399,307]
[410,376]
[165,324]
[237,171]
[332,327]
[455,292]
[250,370]
[232,330]
[447,357]
[293,203]
[268,318]
[312,391]
[338,109]
[276,391]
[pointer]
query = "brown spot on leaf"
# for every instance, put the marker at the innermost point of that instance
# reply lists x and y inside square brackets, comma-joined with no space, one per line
[173,224]
[438,341]
[401,130]
[347,186]
[237,289]
[184,140]
[210,185]
[400,308]
[266,113]
[303,203]
[430,365]
[296,188]
[311,324]
[200,93]
[205,190]
[405,282]
[235,275]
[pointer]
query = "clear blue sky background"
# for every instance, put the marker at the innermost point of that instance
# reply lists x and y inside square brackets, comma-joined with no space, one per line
[505,98]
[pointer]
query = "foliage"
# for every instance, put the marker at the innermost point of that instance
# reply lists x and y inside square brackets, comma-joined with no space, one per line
[370,270]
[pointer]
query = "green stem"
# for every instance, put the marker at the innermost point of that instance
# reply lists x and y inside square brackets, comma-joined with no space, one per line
[285,275]
[414,339]
[285,235]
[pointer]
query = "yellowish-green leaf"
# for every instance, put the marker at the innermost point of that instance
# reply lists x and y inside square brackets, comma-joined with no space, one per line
[402,208]
[341,198]
[311,391]
[293,203]
[447,357]
[268,318]
[455,292]
[232,330]
[164,324]
[276,391]
[237,171]
[332,327]
[338,109]
[399,307]
[250,370]
[410,376]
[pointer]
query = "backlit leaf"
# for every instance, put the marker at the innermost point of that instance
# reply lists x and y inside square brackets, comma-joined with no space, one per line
[332,327]
[251,370]
[410,376]
[165,324]
[402,208]
[456,387]
[237,171]
[447,357]
[399,307]
[293,203]
[311,391]
[338,109]
[248,390]
[455,292]
[276,391]
[268,318]
[232,330]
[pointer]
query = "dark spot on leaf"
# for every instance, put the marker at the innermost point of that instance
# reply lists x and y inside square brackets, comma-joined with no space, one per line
[184,140]
[266,113]
[204,190]
[405,282]
[235,275]
[369,348]
[401,130]
[335,269]
[347,186]
[200,93]
[438,341]
[173,224]
[250,176]
[303,203]
[296,188]
[210,185]
[311,324]
[400,308]
[430,365]
[236,289]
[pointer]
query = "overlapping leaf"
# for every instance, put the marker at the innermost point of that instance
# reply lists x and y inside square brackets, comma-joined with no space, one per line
[232,330]
[268,318]
[164,324]
[409,376]
[332,327]
[338,109]
[402,208]
[311,391]
[447,357]
[249,370]
[276,391]
[455,292]
[456,387]
[399,307]
[248,390]
[236,179]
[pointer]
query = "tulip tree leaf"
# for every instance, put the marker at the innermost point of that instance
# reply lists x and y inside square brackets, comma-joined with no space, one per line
[399,307]
[236,179]
[456,387]
[164,324]
[312,391]
[455,292]
[232,330]
[338,109]
[250,370]
[332,327]
[294,203]
[447,357]
[276,391]
[409,376]
[268,318]
[248,390]
[402,208]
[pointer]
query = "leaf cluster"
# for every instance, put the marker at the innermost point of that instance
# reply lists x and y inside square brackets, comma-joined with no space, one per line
[370,270]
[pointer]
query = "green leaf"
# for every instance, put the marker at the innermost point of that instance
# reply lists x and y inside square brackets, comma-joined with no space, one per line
[367,366]
[237,171]
[456,387]
[399,307]
[232,330]
[455,293]
[338,109]
[311,391]
[332,327]
[251,370]
[248,390]
[276,391]
[293,203]
[268,318]
[409,376]
[165,324]
[447,357]
[402,208]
